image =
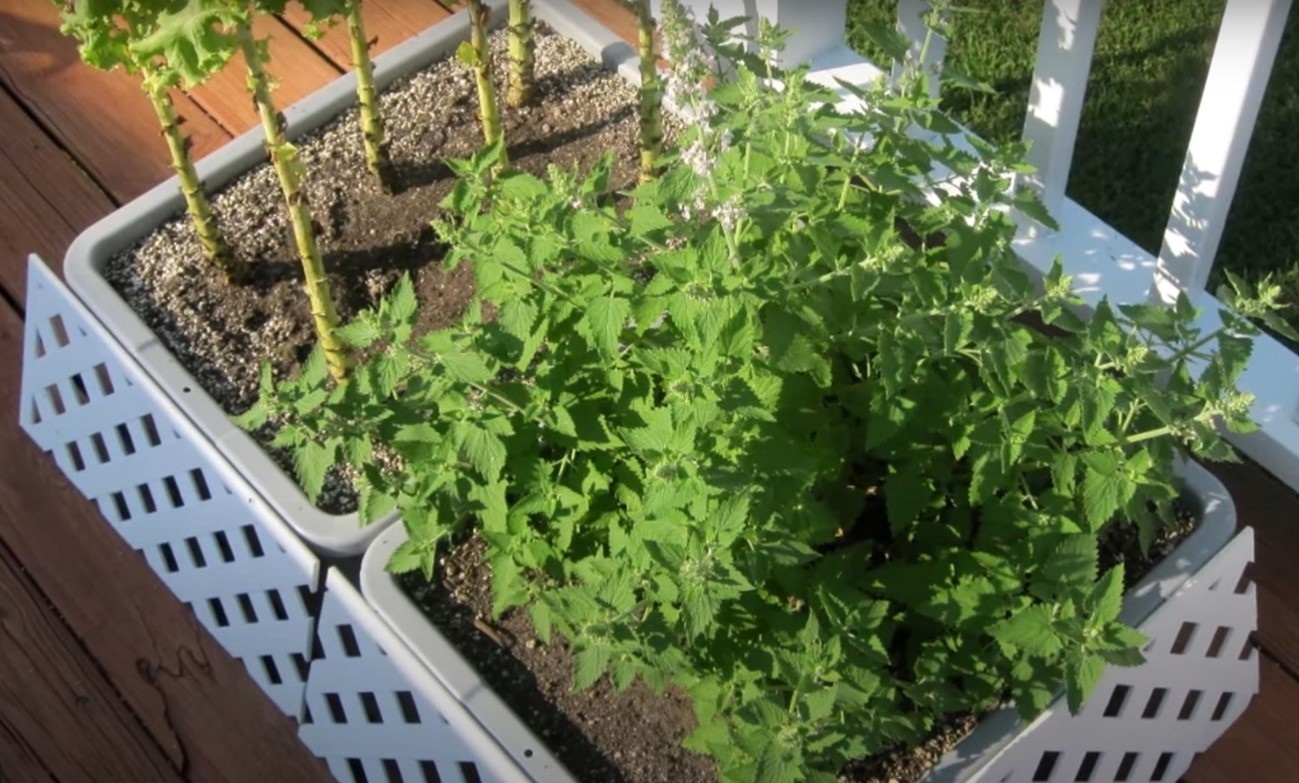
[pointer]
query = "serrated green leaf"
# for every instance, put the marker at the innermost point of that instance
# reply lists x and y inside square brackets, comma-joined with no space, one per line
[485,451]
[1030,630]
[591,661]
[311,461]
[1106,598]
[1103,495]
[603,323]
[1082,675]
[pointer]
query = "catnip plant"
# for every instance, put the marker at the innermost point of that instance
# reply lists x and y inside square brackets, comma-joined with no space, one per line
[373,135]
[782,431]
[166,49]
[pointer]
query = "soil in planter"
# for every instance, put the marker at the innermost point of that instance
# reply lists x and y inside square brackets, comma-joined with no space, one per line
[221,333]
[602,736]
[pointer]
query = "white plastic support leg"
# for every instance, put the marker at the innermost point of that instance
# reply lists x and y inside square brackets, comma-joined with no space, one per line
[121,443]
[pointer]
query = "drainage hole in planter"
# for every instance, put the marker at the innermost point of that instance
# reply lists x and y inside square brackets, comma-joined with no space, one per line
[1218,641]
[335,705]
[347,637]
[74,452]
[371,707]
[101,448]
[300,666]
[1154,703]
[1090,759]
[146,498]
[246,607]
[195,552]
[1246,649]
[168,558]
[223,546]
[1046,765]
[218,612]
[272,671]
[1161,767]
[104,378]
[39,346]
[1184,638]
[409,710]
[79,391]
[430,771]
[1125,767]
[56,399]
[354,765]
[124,438]
[1189,704]
[173,491]
[33,412]
[277,605]
[150,430]
[1115,705]
[470,772]
[1220,709]
[254,543]
[310,601]
[123,510]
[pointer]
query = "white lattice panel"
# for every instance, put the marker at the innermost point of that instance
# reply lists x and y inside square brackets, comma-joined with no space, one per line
[1147,723]
[211,539]
[368,718]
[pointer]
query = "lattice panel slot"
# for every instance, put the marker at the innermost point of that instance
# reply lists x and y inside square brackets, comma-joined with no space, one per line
[1147,723]
[210,538]
[366,718]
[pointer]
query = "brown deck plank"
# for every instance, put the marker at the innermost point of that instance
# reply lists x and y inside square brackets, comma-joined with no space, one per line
[208,716]
[39,654]
[387,22]
[1261,747]
[45,198]
[19,762]
[620,20]
[298,69]
[102,119]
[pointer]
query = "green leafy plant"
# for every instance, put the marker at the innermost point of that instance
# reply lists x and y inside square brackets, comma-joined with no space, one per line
[476,54]
[784,431]
[166,45]
[373,135]
[523,55]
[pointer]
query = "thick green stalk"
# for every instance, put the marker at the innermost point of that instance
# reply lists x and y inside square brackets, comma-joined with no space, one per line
[481,62]
[289,169]
[523,54]
[651,94]
[213,243]
[372,132]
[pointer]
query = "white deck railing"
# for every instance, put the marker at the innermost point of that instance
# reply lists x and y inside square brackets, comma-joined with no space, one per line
[1103,261]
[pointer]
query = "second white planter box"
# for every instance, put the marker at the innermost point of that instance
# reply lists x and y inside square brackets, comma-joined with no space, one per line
[1145,723]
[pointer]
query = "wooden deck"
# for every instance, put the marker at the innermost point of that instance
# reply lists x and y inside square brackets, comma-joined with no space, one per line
[104,676]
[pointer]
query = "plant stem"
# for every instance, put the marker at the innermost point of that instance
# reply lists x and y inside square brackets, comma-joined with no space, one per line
[651,94]
[210,238]
[488,111]
[522,54]
[372,130]
[289,169]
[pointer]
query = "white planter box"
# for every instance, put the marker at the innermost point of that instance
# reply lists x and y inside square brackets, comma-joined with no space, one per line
[331,533]
[1164,712]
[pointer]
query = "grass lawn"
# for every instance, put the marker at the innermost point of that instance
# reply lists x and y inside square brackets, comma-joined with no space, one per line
[1149,67]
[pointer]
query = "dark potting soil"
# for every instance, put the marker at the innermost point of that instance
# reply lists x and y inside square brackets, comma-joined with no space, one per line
[222,333]
[603,736]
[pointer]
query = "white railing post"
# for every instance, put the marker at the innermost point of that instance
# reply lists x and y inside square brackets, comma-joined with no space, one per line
[1242,61]
[911,23]
[1064,57]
